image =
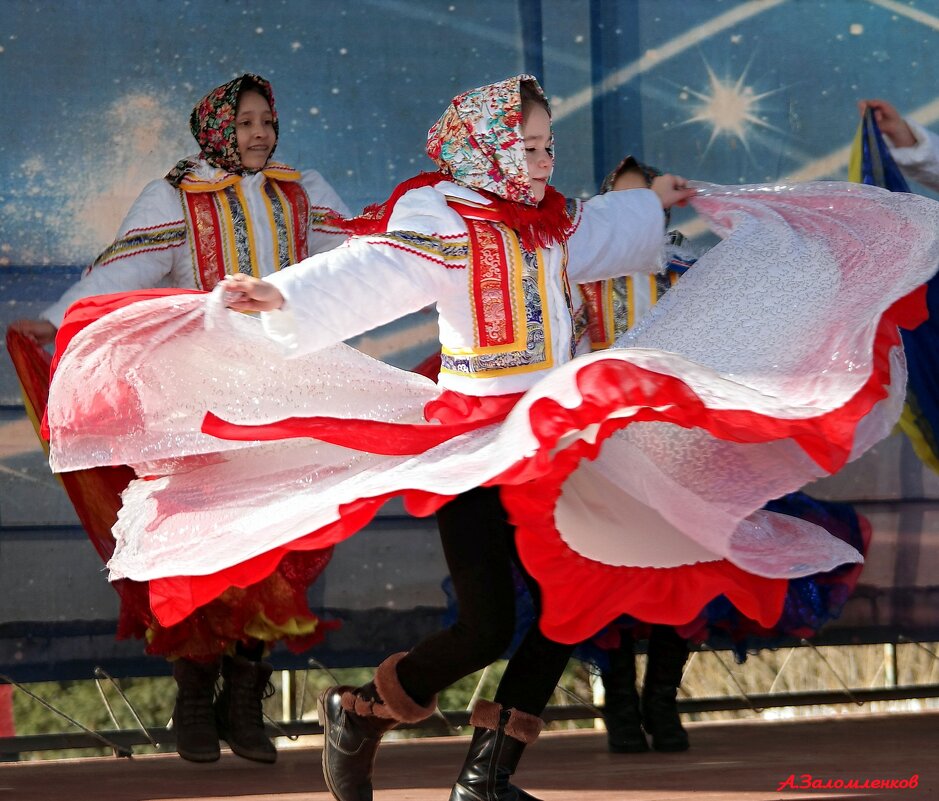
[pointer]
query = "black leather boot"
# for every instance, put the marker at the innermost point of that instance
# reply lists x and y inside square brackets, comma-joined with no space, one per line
[193,718]
[668,653]
[621,708]
[497,745]
[354,720]
[238,710]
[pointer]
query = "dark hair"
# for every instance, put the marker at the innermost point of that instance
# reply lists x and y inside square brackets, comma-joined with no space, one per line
[249,85]
[532,97]
[627,165]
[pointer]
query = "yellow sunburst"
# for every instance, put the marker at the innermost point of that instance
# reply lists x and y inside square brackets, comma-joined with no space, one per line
[729,108]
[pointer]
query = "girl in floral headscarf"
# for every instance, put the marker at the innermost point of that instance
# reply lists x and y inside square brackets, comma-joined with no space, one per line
[228,209]
[488,239]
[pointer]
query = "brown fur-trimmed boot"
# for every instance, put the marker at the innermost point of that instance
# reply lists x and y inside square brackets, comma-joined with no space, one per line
[193,718]
[354,720]
[497,745]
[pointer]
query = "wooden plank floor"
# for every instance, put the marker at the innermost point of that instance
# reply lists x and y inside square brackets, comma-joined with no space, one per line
[737,761]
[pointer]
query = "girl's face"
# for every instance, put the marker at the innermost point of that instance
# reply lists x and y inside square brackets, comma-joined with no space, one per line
[539,149]
[254,128]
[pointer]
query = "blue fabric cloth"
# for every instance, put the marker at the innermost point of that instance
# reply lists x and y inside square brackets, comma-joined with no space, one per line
[921,344]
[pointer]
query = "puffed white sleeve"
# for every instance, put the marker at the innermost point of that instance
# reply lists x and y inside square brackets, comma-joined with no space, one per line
[140,257]
[615,234]
[920,162]
[324,200]
[371,280]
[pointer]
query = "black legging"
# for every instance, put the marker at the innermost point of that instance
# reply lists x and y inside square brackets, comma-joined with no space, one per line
[479,545]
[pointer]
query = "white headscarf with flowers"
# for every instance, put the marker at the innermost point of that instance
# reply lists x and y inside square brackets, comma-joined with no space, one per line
[478,140]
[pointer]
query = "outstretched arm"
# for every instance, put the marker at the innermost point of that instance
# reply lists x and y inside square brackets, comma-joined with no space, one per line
[619,233]
[151,239]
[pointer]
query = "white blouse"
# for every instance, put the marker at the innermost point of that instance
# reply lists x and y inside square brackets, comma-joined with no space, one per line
[423,259]
[153,246]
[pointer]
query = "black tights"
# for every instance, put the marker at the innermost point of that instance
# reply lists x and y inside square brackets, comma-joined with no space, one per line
[479,545]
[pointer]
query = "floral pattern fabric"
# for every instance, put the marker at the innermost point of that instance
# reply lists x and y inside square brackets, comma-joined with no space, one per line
[212,123]
[478,140]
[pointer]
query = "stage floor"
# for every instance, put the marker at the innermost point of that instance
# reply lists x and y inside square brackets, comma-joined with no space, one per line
[737,761]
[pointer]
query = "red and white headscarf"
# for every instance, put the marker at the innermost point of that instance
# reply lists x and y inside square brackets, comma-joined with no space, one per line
[478,143]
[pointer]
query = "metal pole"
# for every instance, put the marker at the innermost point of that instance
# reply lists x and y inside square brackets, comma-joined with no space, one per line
[890,664]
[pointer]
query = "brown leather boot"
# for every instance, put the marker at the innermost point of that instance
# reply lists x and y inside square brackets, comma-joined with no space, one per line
[238,710]
[193,718]
[497,745]
[354,720]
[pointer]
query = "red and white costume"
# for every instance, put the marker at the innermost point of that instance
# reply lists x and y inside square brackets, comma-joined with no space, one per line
[208,218]
[213,224]
[718,402]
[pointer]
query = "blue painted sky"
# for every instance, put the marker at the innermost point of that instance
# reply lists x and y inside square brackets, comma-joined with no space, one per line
[97,92]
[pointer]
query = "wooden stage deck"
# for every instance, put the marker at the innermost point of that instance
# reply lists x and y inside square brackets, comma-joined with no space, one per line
[736,761]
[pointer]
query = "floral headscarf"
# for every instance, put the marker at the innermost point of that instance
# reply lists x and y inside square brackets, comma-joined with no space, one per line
[212,123]
[478,140]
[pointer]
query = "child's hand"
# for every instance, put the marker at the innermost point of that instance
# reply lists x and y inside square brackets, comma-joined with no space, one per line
[890,121]
[42,332]
[672,190]
[247,293]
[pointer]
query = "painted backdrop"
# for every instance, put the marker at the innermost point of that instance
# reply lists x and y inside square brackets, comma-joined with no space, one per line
[96,94]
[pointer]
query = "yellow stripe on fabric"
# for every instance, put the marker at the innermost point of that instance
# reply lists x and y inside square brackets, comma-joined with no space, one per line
[281,172]
[630,302]
[854,159]
[190,184]
[910,426]
[499,373]
[609,318]
[545,316]
[437,249]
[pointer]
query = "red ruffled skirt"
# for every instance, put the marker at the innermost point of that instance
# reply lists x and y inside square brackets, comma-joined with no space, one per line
[274,608]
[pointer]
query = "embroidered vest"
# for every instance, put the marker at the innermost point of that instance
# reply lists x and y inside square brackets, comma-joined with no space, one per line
[508,295]
[615,305]
[219,224]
